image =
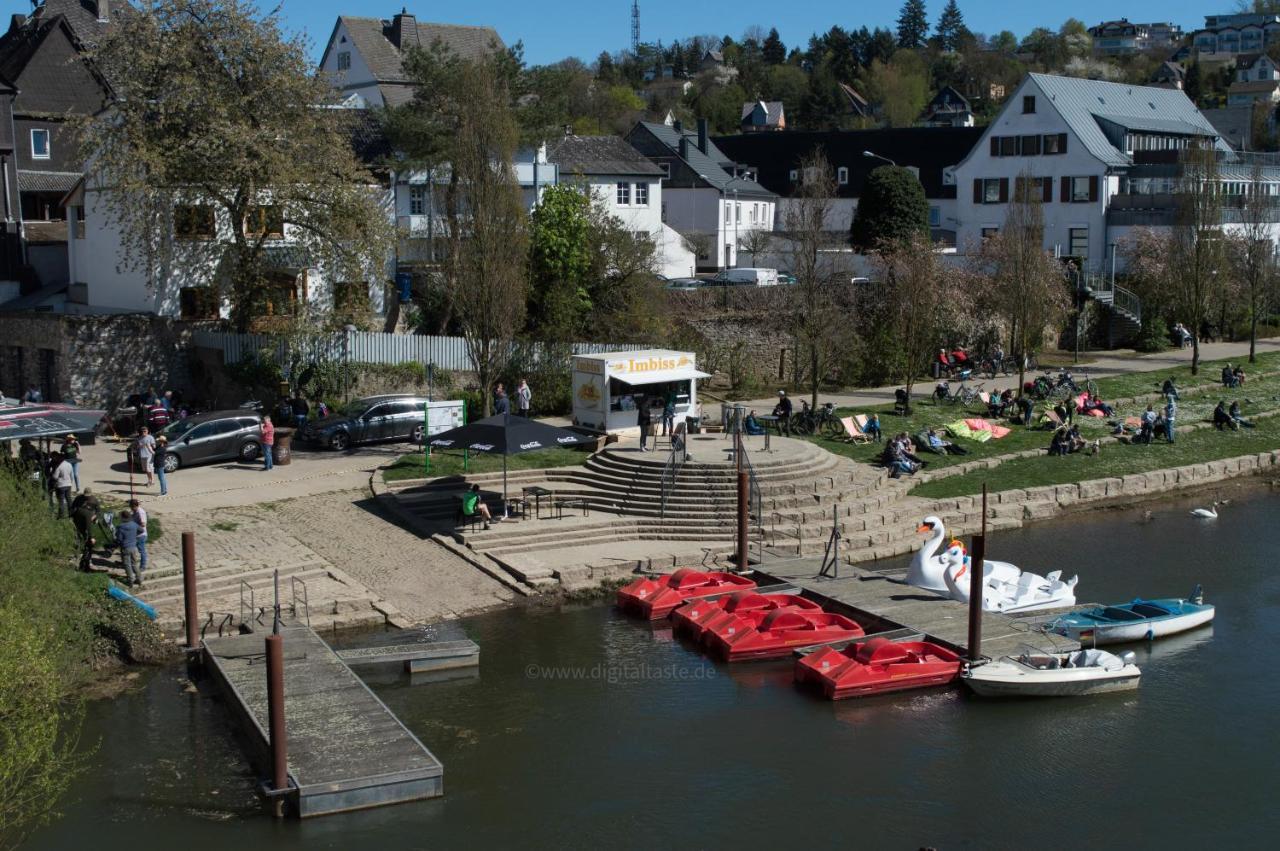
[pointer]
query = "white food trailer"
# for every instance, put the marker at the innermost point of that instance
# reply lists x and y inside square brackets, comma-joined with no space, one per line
[609,387]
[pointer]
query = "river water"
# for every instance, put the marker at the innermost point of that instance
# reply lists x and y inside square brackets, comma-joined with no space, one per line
[584,730]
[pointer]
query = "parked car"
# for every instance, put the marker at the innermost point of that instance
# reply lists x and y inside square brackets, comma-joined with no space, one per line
[747,277]
[395,417]
[215,436]
[786,278]
[685,284]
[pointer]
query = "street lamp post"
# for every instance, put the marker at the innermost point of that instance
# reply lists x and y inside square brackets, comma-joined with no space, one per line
[873,155]
[737,216]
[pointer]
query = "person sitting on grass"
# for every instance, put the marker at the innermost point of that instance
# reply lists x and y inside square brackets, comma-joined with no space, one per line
[1234,413]
[473,505]
[1002,405]
[1058,443]
[1238,374]
[896,460]
[1074,441]
[943,447]
[1229,377]
[752,425]
[1093,403]
[1222,420]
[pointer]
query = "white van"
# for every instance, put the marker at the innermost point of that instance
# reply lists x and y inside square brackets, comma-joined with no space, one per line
[748,277]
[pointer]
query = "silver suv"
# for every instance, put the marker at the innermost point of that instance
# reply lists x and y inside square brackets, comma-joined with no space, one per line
[216,436]
[375,418]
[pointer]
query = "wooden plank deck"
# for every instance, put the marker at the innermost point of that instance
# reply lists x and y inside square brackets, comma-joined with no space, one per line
[418,657]
[889,603]
[347,751]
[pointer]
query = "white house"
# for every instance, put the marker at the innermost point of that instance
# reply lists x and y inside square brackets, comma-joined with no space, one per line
[1257,79]
[1226,36]
[629,187]
[365,56]
[712,201]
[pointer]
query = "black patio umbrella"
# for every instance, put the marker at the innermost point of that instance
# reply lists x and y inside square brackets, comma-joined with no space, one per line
[46,421]
[506,434]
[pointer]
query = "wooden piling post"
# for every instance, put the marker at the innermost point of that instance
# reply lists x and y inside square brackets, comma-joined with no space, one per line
[189,588]
[275,718]
[978,554]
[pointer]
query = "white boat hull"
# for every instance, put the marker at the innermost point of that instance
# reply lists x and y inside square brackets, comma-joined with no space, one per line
[1037,674]
[1123,633]
[1074,687]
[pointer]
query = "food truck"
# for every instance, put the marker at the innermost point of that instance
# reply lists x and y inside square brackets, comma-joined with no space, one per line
[608,388]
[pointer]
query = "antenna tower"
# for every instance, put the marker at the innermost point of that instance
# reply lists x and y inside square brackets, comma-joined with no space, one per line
[635,27]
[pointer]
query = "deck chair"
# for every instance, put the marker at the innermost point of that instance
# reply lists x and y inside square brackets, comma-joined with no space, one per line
[1052,416]
[853,434]
[860,421]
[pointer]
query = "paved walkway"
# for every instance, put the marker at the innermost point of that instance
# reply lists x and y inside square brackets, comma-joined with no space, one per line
[1103,365]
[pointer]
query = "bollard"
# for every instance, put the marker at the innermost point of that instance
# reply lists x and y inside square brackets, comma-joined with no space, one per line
[189,587]
[976,581]
[744,491]
[275,717]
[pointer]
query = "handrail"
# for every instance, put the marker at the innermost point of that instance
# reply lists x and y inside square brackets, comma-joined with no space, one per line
[294,582]
[671,471]
[252,606]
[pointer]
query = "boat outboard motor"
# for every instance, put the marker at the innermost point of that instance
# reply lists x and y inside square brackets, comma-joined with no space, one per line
[1128,657]
[1197,594]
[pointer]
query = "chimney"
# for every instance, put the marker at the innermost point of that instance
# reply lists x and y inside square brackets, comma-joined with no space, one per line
[702,135]
[104,11]
[403,32]
[677,126]
[684,147]
[17,22]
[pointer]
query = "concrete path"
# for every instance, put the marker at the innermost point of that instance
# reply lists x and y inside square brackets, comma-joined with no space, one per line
[1103,365]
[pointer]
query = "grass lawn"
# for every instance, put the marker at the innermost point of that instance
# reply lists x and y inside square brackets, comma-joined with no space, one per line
[450,463]
[1137,383]
[1257,395]
[1116,460]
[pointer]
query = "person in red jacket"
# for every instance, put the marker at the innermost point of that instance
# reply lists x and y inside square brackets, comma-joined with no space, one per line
[157,417]
[268,441]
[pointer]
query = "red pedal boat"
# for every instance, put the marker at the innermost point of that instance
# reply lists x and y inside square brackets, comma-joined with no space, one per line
[696,617]
[878,666]
[657,598]
[778,633]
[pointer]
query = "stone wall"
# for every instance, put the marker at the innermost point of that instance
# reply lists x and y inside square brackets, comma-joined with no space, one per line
[738,331]
[95,361]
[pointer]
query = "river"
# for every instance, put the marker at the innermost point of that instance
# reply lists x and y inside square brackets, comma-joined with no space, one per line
[584,730]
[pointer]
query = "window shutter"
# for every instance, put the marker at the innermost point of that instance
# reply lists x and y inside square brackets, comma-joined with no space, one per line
[995,146]
[1093,188]
[1062,143]
[1004,189]
[977,190]
[1047,189]
[1066,190]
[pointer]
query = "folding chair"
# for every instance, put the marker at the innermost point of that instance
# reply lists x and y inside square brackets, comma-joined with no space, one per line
[853,434]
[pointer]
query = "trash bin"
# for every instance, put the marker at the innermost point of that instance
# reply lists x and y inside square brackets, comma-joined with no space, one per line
[282,451]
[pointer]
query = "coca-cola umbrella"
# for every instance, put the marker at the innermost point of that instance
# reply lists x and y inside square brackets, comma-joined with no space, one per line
[506,434]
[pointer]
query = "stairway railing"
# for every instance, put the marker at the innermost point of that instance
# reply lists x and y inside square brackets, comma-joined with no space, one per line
[671,472]
[1103,289]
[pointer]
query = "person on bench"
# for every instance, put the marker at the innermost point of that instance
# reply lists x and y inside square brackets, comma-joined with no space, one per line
[752,425]
[473,505]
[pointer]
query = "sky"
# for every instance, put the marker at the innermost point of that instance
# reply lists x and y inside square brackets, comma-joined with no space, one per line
[554,29]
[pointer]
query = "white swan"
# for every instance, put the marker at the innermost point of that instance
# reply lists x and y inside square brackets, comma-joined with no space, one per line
[928,568]
[1210,513]
[1028,593]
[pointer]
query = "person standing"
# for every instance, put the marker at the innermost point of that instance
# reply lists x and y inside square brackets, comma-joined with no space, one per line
[782,411]
[63,480]
[158,462]
[157,417]
[71,451]
[140,517]
[524,397]
[300,411]
[1170,413]
[127,539]
[268,443]
[501,404]
[145,449]
[84,514]
[669,412]
[644,419]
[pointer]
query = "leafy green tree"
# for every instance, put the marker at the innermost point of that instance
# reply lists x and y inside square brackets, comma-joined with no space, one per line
[786,83]
[892,208]
[560,258]
[606,71]
[774,52]
[899,87]
[220,114]
[1004,42]
[913,24]
[951,28]
[882,45]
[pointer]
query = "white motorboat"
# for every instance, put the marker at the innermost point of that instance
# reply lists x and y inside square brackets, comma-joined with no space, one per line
[1037,673]
[1136,621]
[929,566]
[1028,592]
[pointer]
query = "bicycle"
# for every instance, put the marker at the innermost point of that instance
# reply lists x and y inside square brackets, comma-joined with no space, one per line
[968,395]
[823,421]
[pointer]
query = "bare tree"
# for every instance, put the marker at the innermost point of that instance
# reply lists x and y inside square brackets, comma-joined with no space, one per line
[756,242]
[1027,286]
[920,302]
[1253,254]
[1196,246]
[485,225]
[815,319]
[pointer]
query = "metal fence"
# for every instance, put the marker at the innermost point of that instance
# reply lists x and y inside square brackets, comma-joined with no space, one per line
[366,347]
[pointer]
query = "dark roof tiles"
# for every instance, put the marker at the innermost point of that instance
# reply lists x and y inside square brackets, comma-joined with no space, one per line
[594,155]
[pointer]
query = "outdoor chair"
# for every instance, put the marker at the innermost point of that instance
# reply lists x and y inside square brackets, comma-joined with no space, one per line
[861,422]
[466,521]
[853,434]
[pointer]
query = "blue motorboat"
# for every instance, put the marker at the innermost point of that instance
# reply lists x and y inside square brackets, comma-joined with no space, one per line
[1140,620]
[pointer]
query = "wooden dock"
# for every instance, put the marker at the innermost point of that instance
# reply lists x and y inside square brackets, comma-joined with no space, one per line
[347,751]
[883,602]
[418,656]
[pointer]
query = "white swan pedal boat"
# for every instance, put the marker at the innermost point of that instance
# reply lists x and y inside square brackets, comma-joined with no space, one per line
[1037,673]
